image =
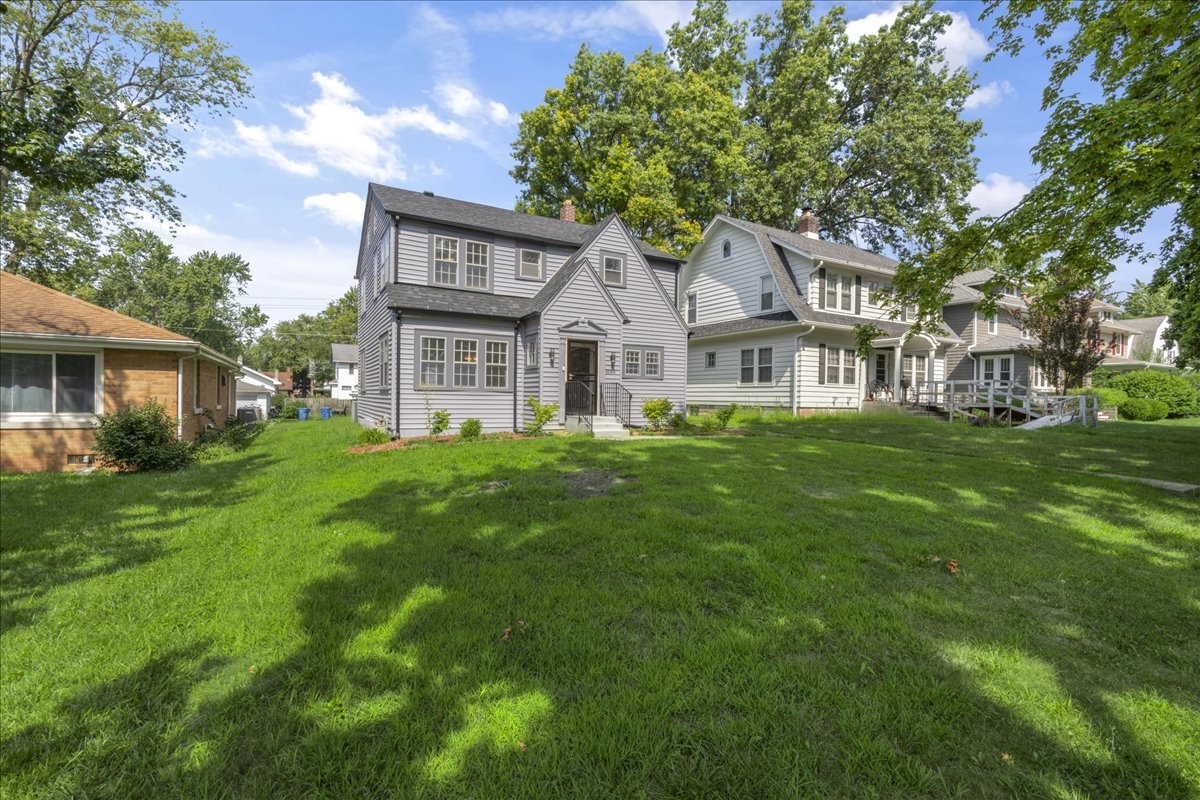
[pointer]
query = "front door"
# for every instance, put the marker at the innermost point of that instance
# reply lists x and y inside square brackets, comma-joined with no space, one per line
[881,368]
[581,377]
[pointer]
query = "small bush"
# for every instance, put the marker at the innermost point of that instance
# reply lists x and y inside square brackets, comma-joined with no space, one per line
[291,409]
[542,413]
[1179,395]
[1144,409]
[1109,398]
[710,422]
[679,421]
[372,436]
[278,399]
[725,415]
[439,422]
[656,410]
[141,439]
[470,429]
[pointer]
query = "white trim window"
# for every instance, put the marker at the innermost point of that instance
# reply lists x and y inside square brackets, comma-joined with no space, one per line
[495,368]
[996,368]
[385,364]
[614,270]
[531,352]
[466,363]
[762,371]
[49,384]
[633,363]
[693,308]
[766,293]
[476,264]
[531,264]
[833,365]
[726,249]
[383,258]
[445,260]
[710,359]
[839,291]
[993,324]
[433,360]
[877,293]
[913,367]
[653,364]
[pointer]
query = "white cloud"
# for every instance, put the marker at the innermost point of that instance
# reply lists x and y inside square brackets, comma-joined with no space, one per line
[343,208]
[435,170]
[990,94]
[996,194]
[336,132]
[571,21]
[460,100]
[961,41]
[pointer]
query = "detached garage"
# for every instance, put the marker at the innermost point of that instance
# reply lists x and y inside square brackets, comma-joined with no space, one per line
[254,390]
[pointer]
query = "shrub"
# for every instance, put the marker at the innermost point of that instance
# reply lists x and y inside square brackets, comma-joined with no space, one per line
[1109,398]
[372,436]
[679,421]
[542,413]
[439,422]
[1179,395]
[1142,408]
[141,439]
[291,409]
[710,422]
[1101,376]
[656,410]
[725,415]
[278,399]
[470,429]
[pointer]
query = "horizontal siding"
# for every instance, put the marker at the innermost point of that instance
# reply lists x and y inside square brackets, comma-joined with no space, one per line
[373,406]
[493,408]
[726,288]
[653,322]
[719,386]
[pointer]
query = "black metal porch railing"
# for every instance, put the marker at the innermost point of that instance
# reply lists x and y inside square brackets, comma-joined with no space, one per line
[581,401]
[616,401]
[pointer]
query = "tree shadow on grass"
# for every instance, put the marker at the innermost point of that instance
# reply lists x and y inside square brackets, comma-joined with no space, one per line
[63,528]
[731,618]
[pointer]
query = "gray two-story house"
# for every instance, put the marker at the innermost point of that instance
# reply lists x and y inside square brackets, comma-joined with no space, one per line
[475,309]
[772,314]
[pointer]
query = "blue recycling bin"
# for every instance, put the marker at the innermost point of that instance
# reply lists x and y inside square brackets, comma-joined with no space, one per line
[303,411]
[326,412]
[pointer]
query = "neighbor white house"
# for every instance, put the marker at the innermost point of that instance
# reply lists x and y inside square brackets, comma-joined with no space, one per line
[345,371]
[254,390]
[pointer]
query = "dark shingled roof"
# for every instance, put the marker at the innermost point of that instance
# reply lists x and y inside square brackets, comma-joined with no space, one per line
[818,247]
[745,324]
[343,353]
[431,208]
[418,297]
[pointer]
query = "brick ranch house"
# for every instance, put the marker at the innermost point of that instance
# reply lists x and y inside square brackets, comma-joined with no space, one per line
[64,360]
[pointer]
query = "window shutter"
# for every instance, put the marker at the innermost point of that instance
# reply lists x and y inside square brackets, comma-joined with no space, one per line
[821,350]
[821,293]
[858,294]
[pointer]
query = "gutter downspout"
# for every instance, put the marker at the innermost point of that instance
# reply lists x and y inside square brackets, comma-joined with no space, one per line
[394,388]
[179,400]
[513,371]
[796,368]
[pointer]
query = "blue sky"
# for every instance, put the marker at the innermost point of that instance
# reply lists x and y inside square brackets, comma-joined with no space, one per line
[427,95]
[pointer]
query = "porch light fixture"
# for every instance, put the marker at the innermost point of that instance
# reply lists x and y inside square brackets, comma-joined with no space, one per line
[612,361]
[551,353]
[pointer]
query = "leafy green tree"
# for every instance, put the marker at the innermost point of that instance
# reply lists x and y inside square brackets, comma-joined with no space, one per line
[1147,300]
[867,133]
[1105,166]
[198,297]
[92,95]
[294,344]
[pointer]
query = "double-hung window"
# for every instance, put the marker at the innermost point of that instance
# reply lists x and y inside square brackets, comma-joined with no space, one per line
[633,363]
[766,293]
[833,365]
[466,362]
[710,360]
[839,292]
[993,322]
[841,366]
[692,308]
[445,260]
[914,368]
[531,264]
[477,263]
[433,361]
[614,270]
[760,371]
[383,261]
[48,383]
[531,352]
[385,364]
[496,365]
[653,364]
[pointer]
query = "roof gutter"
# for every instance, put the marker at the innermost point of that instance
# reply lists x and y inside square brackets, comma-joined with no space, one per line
[120,343]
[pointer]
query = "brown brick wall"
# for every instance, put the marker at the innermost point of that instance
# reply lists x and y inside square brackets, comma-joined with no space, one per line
[130,377]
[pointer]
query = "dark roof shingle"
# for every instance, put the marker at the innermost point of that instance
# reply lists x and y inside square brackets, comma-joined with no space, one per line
[431,208]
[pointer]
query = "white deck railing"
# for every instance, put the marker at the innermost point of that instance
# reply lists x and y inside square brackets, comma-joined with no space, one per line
[1003,398]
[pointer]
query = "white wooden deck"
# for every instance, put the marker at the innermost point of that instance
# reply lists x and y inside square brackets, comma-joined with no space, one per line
[1007,401]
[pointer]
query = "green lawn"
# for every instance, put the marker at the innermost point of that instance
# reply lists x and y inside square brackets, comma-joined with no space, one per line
[752,616]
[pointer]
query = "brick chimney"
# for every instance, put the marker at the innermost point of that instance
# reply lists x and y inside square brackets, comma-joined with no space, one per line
[809,224]
[567,212]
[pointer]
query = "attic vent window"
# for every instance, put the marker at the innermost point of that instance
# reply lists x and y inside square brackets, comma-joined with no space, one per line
[726,249]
